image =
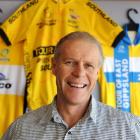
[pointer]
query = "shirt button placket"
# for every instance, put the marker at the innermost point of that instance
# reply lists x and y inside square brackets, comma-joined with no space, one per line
[68,136]
[69,132]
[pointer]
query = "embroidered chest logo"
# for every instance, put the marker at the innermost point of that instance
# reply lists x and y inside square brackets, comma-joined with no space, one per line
[73,19]
[47,18]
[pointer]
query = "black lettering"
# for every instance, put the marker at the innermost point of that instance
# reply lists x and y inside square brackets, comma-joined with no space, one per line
[12,19]
[28,78]
[22,10]
[1,85]
[43,51]
[8,85]
[101,13]
[46,67]
[5,85]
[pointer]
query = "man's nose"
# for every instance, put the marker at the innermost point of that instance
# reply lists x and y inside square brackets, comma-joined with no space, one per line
[79,70]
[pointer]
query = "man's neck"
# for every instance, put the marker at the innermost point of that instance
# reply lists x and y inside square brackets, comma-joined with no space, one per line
[71,114]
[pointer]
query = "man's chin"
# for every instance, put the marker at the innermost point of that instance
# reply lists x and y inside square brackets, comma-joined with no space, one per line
[77,100]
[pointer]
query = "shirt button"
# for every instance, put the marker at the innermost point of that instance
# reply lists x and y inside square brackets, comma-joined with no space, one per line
[69,132]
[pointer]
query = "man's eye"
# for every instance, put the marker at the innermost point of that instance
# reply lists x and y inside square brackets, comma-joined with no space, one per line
[89,66]
[69,62]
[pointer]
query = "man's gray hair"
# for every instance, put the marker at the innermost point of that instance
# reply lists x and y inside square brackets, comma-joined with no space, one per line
[79,35]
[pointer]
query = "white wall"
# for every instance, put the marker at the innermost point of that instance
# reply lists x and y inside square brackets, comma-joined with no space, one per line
[117,9]
[7,7]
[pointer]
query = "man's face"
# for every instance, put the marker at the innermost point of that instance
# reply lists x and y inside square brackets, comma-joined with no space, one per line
[76,71]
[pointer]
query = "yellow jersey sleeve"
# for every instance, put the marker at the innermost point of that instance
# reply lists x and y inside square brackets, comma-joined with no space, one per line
[103,27]
[16,26]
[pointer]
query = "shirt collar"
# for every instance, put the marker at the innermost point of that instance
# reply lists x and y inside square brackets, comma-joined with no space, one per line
[93,109]
[64,1]
[47,115]
[52,113]
[56,116]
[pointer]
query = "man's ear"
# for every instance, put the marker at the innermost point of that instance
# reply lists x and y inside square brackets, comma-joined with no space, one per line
[98,73]
[53,66]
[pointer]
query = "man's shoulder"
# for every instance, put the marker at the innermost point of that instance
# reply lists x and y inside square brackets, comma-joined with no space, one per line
[29,122]
[117,115]
[35,116]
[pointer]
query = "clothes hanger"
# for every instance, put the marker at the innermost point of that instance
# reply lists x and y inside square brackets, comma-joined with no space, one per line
[132,25]
[1,13]
[2,33]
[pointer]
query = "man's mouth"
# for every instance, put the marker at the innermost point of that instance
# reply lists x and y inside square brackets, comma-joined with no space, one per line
[75,85]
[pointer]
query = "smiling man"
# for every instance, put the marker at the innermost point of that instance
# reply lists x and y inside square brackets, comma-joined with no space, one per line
[75,114]
[75,65]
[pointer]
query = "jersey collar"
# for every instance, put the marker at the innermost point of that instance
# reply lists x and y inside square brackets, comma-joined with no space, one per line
[137,37]
[64,1]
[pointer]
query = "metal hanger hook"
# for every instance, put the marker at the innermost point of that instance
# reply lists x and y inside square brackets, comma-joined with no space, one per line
[1,13]
[128,14]
[1,10]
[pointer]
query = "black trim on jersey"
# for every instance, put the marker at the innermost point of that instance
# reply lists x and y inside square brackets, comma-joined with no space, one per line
[25,100]
[4,37]
[118,38]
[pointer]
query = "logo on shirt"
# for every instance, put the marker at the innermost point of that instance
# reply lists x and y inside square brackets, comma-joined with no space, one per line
[73,19]
[47,19]
[2,77]
[100,12]
[121,49]
[4,55]
[4,84]
[43,50]
[43,55]
[22,10]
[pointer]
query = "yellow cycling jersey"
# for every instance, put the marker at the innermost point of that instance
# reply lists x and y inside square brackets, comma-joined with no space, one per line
[119,77]
[40,24]
[12,84]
